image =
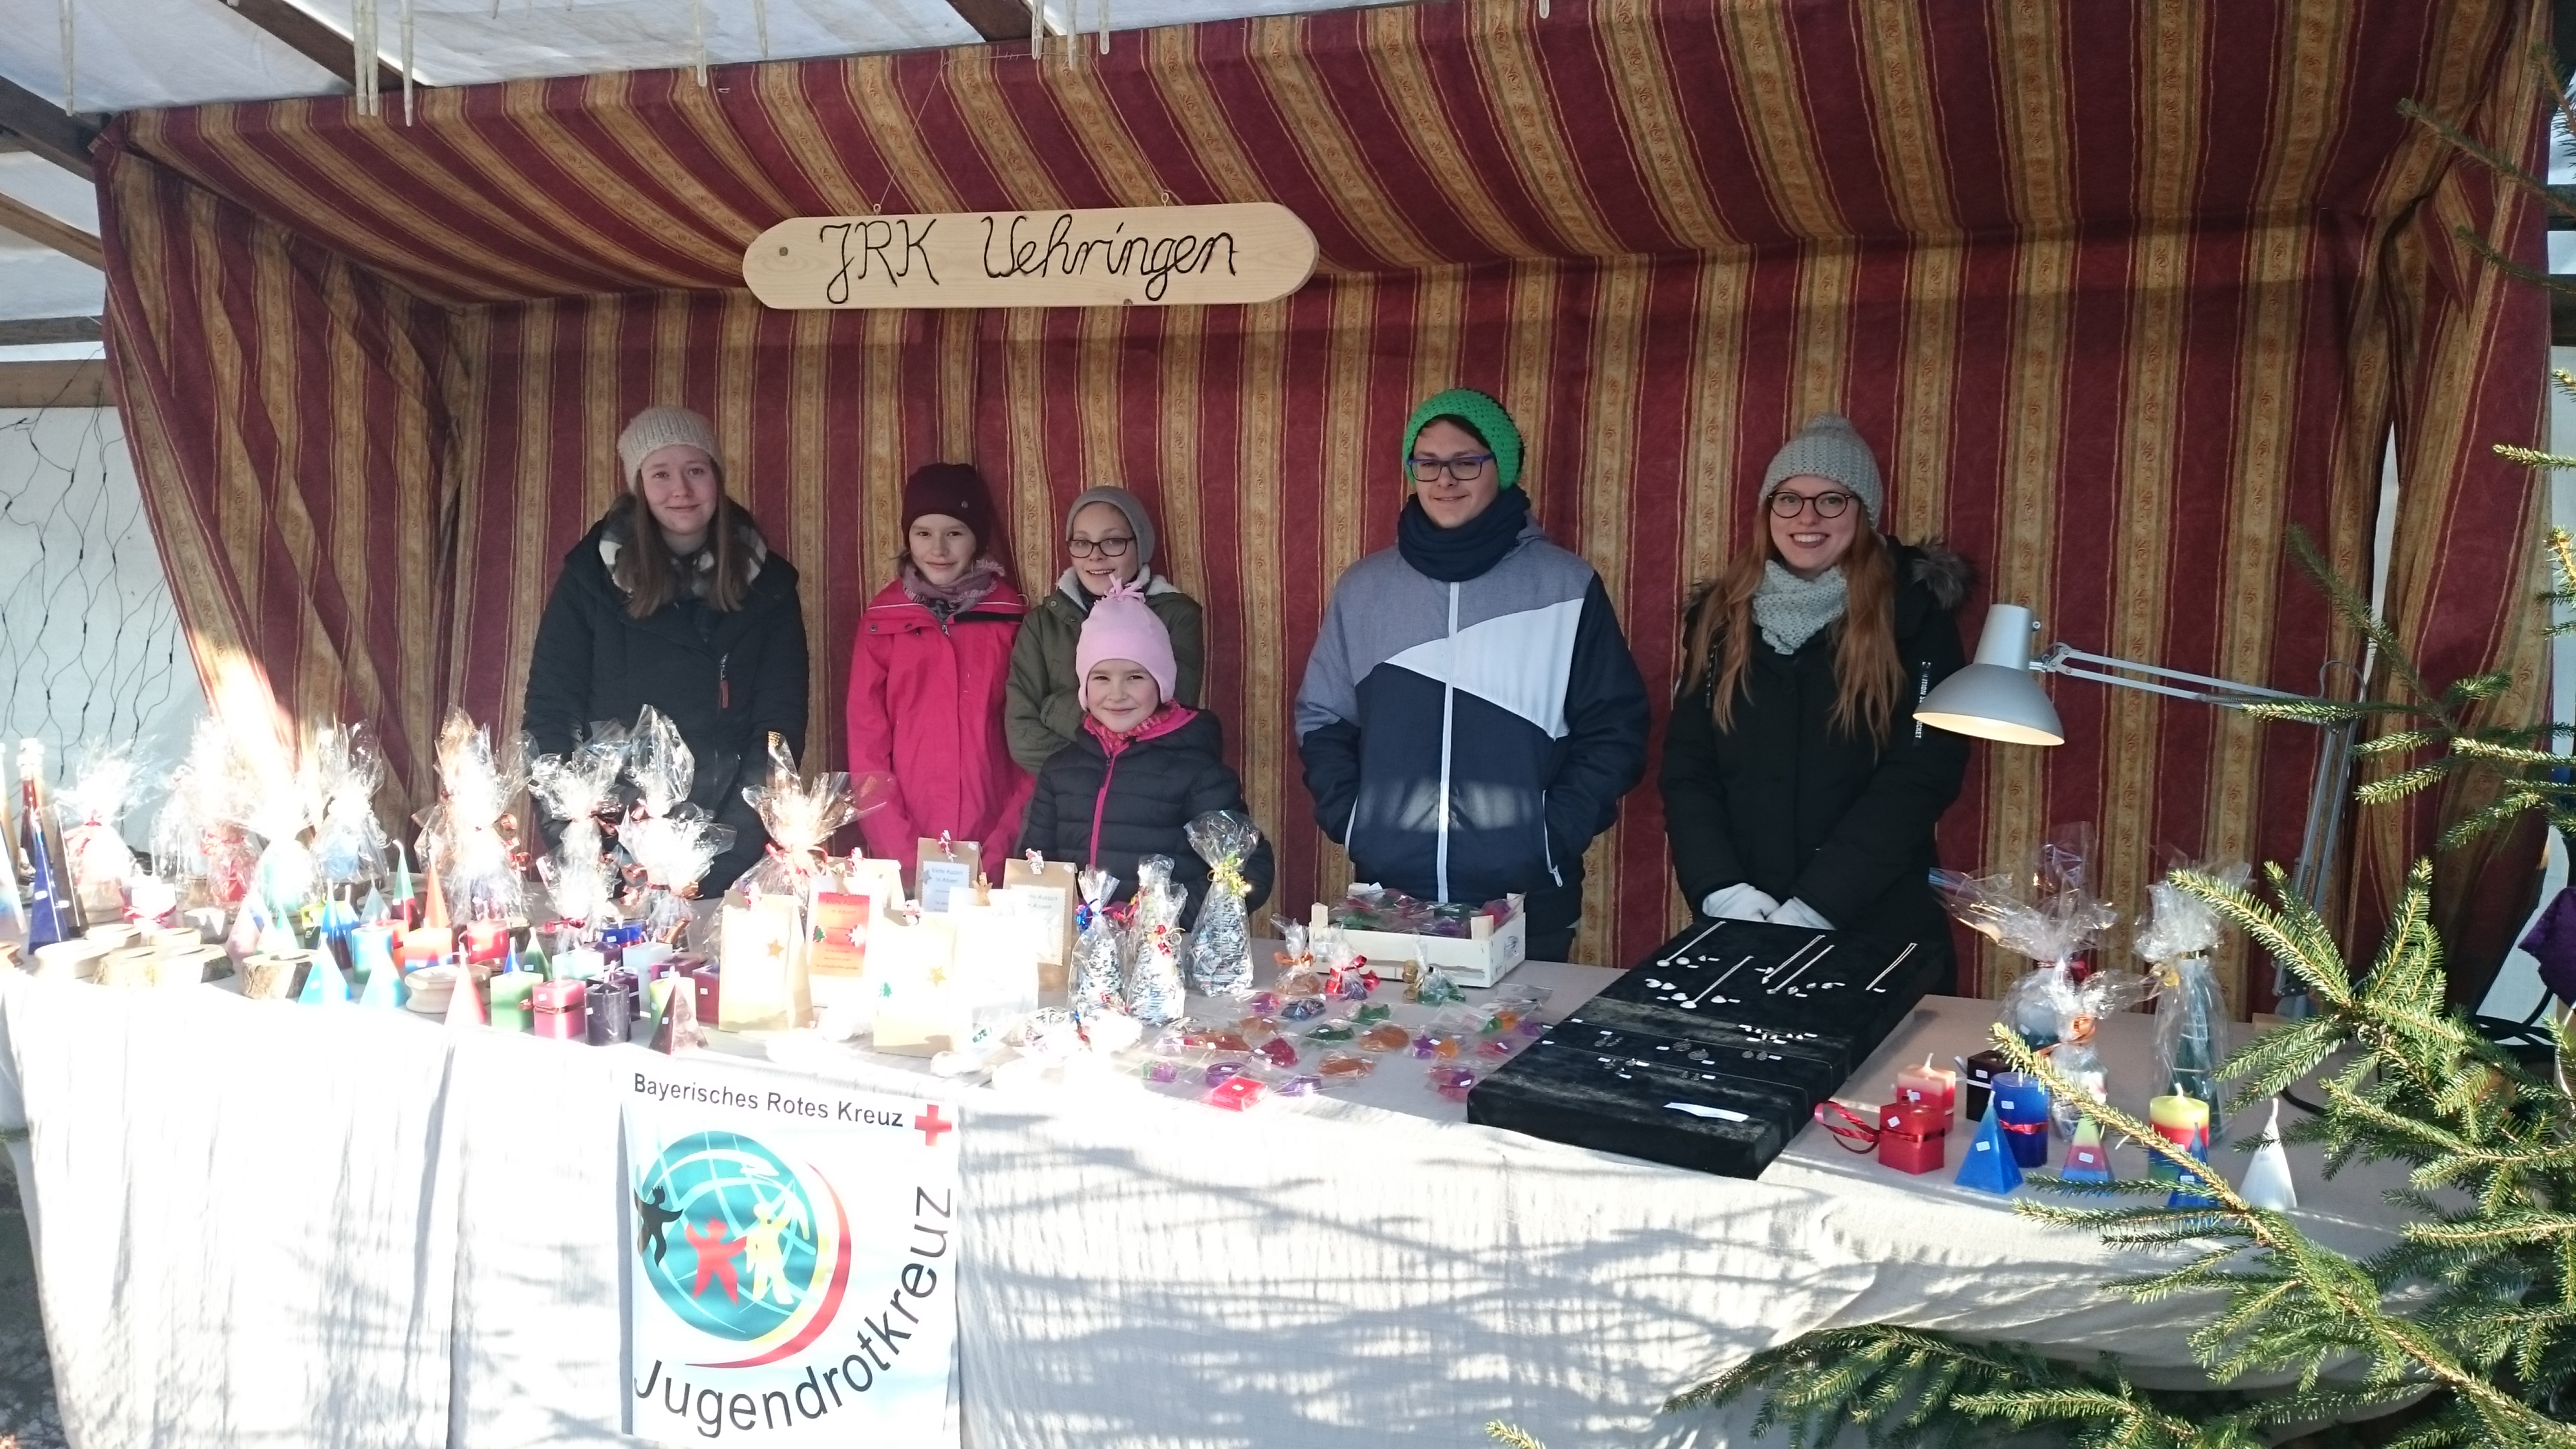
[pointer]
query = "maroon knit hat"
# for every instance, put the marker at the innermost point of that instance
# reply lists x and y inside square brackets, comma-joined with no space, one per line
[958,491]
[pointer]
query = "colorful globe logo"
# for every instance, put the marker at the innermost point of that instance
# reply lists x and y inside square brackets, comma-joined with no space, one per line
[741,1244]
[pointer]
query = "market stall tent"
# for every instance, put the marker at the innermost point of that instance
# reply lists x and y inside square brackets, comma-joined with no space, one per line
[2121,295]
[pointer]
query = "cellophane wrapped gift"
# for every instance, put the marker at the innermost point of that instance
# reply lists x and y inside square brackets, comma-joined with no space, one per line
[580,790]
[1221,939]
[277,801]
[198,843]
[95,856]
[466,836]
[1155,992]
[1296,959]
[2048,916]
[1099,983]
[349,842]
[766,932]
[2083,1005]
[2175,940]
[669,842]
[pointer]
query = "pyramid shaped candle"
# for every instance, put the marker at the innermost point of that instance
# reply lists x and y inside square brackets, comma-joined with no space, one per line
[465,1004]
[1988,1165]
[323,984]
[2086,1161]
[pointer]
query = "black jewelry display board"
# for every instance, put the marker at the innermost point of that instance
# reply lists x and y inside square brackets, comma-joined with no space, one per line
[1714,1052]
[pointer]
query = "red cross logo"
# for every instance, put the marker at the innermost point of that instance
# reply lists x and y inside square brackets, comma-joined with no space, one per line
[930,1126]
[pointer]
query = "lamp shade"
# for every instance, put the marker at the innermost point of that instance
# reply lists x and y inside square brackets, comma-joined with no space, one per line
[1996,697]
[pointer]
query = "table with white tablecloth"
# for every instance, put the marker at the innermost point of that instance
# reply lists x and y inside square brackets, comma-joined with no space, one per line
[263,1223]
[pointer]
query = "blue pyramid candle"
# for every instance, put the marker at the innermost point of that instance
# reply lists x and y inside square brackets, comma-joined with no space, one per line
[1988,1165]
[384,986]
[323,983]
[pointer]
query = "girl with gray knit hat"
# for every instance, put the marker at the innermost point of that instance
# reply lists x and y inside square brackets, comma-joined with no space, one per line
[1108,541]
[1797,786]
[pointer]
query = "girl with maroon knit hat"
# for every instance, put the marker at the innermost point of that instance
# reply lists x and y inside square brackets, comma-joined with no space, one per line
[927,674]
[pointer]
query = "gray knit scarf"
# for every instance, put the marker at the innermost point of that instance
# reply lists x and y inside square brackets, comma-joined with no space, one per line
[1790,610]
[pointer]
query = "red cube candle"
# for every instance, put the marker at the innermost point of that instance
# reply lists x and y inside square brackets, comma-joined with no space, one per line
[560,1009]
[1913,1136]
[486,941]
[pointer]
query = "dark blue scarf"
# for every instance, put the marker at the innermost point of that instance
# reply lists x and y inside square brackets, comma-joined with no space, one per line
[1455,555]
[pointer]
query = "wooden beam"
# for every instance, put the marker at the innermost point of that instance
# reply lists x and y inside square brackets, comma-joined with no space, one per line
[2562,318]
[994,19]
[41,124]
[75,384]
[310,37]
[44,331]
[52,231]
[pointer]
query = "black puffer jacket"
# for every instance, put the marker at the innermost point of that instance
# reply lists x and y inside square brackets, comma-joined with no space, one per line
[1093,806]
[727,680]
[1797,808]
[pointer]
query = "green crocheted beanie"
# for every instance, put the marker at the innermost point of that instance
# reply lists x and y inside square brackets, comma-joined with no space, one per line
[1483,414]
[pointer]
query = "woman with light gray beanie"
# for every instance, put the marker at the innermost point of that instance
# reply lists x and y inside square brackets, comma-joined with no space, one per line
[1108,541]
[1797,786]
[673,599]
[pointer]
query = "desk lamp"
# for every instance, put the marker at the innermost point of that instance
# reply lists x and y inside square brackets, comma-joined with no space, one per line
[1995,698]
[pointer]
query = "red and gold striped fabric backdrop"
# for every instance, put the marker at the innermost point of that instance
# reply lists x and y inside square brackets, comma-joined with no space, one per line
[2121,294]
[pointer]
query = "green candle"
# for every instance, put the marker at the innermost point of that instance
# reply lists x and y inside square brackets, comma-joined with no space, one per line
[510,992]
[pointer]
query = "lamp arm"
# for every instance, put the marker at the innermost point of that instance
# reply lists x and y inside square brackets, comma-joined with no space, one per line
[2226,693]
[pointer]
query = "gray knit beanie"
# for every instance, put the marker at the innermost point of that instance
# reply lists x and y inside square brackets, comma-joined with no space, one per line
[656,428]
[1828,447]
[1126,503]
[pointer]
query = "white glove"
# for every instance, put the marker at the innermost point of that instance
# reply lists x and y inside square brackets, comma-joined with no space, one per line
[1738,903]
[1798,913]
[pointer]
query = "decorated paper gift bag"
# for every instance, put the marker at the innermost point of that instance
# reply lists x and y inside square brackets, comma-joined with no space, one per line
[1045,890]
[922,1008]
[997,963]
[765,958]
[947,869]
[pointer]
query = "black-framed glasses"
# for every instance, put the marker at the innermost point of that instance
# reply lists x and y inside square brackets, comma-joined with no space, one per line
[1828,505]
[1102,548]
[1466,470]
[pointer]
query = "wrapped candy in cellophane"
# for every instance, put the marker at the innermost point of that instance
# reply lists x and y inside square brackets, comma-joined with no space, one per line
[2082,1006]
[467,836]
[580,789]
[198,844]
[764,938]
[95,856]
[2175,940]
[1099,980]
[279,800]
[2048,916]
[1155,993]
[669,842]
[1220,941]
[349,843]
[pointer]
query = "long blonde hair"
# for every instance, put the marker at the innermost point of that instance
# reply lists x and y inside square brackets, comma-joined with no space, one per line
[1869,677]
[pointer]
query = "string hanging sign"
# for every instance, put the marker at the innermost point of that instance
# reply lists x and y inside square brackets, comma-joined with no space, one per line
[1143,256]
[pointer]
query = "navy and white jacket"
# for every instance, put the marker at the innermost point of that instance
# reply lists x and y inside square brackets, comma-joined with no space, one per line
[1468,740]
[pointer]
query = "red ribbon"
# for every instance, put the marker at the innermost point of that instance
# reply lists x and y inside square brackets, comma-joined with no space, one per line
[2038,1126]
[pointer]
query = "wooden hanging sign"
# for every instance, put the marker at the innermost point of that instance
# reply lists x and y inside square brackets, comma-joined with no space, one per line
[1135,256]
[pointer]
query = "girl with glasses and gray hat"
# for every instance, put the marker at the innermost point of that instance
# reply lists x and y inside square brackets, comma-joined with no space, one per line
[673,599]
[1797,786]
[1110,544]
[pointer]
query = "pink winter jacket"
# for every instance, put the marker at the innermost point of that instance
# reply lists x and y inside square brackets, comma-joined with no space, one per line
[926,706]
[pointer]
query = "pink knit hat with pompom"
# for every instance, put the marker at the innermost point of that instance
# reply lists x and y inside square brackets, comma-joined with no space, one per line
[1122,626]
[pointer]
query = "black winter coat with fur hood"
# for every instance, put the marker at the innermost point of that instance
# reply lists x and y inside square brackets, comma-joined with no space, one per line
[1797,808]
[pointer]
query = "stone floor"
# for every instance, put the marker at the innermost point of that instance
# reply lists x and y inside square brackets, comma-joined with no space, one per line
[26,1376]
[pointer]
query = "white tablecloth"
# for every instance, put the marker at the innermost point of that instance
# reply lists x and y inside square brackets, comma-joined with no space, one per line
[264,1224]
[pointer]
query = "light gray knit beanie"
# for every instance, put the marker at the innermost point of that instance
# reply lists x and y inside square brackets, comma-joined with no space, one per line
[656,428]
[1126,503]
[1829,447]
